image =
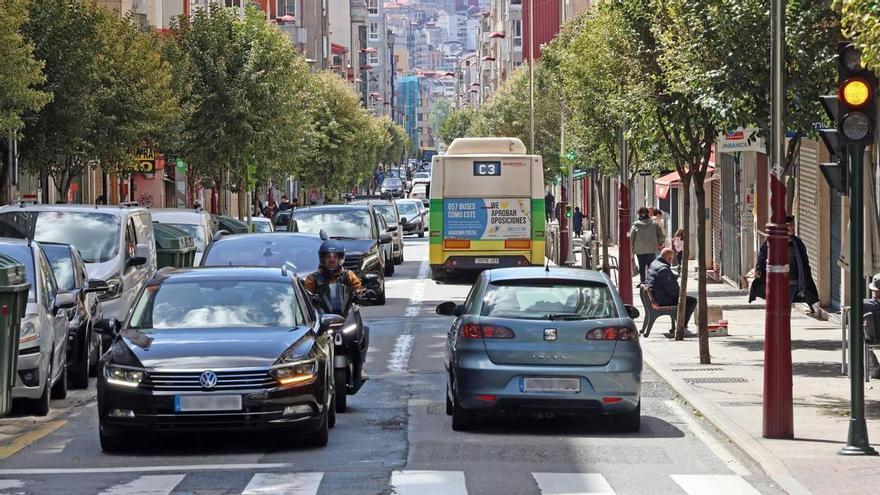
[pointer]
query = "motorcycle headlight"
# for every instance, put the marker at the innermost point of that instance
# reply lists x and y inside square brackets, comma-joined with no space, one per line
[295,372]
[114,290]
[29,333]
[123,375]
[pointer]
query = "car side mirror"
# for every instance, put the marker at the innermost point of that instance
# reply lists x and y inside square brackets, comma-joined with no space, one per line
[392,228]
[404,220]
[450,308]
[65,300]
[384,238]
[107,327]
[331,322]
[136,261]
[632,311]
[142,251]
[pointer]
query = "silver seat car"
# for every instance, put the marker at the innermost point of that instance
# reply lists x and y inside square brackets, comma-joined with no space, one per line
[543,340]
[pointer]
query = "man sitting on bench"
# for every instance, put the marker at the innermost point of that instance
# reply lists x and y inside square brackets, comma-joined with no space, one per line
[663,285]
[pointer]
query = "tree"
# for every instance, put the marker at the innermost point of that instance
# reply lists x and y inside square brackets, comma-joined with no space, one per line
[861,23]
[461,123]
[439,114]
[20,74]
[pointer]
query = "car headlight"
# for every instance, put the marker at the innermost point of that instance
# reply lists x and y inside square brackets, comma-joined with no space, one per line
[298,372]
[114,284]
[29,333]
[123,375]
[369,261]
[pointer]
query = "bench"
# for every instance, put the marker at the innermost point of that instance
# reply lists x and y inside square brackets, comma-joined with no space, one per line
[654,311]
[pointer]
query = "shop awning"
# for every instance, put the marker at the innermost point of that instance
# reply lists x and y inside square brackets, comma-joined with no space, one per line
[664,182]
[338,49]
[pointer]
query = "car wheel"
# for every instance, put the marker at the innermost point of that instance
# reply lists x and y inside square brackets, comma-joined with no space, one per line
[389,268]
[339,390]
[79,377]
[448,401]
[331,411]
[111,440]
[40,407]
[421,232]
[320,437]
[380,298]
[629,421]
[59,390]
[99,351]
[462,419]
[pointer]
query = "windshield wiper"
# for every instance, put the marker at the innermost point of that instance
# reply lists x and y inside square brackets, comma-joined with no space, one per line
[343,238]
[564,316]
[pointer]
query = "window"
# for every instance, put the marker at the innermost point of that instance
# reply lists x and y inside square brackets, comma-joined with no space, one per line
[374,59]
[373,7]
[543,300]
[517,33]
[286,7]
[374,31]
[50,290]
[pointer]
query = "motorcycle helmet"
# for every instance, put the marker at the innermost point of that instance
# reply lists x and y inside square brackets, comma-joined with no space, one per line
[331,246]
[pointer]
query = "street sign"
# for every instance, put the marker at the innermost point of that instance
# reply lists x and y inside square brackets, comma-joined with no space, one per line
[740,140]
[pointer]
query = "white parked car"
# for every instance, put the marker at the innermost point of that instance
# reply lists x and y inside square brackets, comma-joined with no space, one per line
[196,223]
[419,191]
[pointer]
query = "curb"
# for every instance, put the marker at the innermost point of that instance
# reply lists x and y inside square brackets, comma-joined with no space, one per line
[772,465]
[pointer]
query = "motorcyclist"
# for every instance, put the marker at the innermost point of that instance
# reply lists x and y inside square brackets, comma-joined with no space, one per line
[331,256]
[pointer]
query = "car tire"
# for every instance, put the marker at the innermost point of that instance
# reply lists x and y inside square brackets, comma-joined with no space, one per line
[331,411]
[321,437]
[40,406]
[79,376]
[380,298]
[59,390]
[421,233]
[111,440]
[339,390]
[93,367]
[631,421]
[389,268]
[448,401]
[462,419]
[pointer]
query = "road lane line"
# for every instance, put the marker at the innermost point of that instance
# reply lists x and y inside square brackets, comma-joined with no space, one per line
[399,358]
[159,484]
[428,483]
[572,484]
[716,484]
[25,439]
[144,469]
[286,483]
[10,484]
[710,441]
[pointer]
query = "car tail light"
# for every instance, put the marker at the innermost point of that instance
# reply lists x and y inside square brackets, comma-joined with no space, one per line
[612,333]
[612,400]
[475,331]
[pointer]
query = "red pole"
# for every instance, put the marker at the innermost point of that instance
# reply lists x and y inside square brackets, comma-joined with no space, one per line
[778,422]
[624,250]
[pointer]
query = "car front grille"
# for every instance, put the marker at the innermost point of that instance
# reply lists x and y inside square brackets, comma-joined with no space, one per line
[352,263]
[183,381]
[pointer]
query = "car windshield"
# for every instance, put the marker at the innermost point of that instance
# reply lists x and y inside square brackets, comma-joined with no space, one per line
[387,212]
[422,175]
[548,300]
[24,255]
[94,234]
[391,182]
[62,266]
[218,303]
[196,231]
[341,224]
[407,209]
[265,250]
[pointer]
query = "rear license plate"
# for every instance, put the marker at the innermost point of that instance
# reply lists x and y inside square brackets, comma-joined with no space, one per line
[199,403]
[486,261]
[554,385]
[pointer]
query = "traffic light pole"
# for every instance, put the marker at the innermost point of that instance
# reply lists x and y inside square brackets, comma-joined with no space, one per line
[857,438]
[778,421]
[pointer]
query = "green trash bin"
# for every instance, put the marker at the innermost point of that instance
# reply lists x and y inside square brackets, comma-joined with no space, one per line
[13,304]
[230,224]
[174,247]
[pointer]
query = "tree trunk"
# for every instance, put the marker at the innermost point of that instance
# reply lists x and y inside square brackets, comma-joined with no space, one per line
[702,320]
[220,184]
[685,258]
[242,200]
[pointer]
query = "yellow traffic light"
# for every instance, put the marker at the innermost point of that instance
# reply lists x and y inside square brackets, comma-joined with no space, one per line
[855,92]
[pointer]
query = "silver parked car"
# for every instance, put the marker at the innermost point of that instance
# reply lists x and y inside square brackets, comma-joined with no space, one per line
[555,340]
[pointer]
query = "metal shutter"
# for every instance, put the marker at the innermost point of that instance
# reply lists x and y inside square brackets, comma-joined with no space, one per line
[716,226]
[807,204]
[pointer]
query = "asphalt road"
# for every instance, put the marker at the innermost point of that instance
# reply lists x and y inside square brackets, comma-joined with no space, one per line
[396,437]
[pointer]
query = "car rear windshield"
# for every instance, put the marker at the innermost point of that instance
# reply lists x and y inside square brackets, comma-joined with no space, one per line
[220,303]
[422,175]
[548,300]
[342,224]
[94,234]
[265,250]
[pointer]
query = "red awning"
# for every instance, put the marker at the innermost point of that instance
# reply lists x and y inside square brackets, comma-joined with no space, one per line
[663,183]
[338,49]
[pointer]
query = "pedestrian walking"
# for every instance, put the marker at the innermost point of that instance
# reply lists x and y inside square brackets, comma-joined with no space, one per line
[285,204]
[271,209]
[549,204]
[646,239]
[801,287]
[657,217]
[663,285]
[578,221]
[678,245]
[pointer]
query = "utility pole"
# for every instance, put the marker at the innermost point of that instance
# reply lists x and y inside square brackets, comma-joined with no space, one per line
[624,268]
[532,78]
[778,422]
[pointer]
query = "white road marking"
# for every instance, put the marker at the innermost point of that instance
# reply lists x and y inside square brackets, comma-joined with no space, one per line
[7,485]
[160,484]
[142,469]
[716,484]
[710,441]
[284,483]
[399,360]
[428,483]
[572,484]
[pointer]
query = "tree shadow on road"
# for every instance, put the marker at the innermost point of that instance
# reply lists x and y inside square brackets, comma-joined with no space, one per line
[572,427]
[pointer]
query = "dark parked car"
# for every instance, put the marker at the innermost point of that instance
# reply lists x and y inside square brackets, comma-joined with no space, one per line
[214,349]
[84,345]
[393,187]
[386,208]
[358,228]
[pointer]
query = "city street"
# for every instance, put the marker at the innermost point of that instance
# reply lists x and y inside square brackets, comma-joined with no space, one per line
[395,438]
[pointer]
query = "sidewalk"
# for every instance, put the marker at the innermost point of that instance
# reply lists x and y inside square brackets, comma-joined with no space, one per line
[729,393]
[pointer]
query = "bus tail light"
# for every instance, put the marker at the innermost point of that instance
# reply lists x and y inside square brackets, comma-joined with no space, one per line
[517,244]
[456,244]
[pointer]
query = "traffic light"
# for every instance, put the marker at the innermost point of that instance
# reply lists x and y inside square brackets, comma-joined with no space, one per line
[568,211]
[835,172]
[856,107]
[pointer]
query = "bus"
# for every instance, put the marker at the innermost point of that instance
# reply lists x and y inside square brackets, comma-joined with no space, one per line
[486,207]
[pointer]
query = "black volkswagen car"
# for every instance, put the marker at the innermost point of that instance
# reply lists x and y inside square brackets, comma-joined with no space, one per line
[214,349]
[357,227]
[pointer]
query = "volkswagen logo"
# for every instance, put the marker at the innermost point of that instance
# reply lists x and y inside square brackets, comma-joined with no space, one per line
[208,379]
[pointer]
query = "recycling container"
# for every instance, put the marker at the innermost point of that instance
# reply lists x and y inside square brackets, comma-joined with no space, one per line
[13,304]
[230,224]
[174,246]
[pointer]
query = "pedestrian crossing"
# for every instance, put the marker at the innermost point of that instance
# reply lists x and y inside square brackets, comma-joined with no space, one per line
[404,482]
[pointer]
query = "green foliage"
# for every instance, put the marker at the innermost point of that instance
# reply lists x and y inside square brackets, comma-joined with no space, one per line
[861,23]
[20,73]
[461,123]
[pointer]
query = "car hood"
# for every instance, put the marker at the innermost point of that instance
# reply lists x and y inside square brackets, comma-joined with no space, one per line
[103,271]
[357,247]
[214,348]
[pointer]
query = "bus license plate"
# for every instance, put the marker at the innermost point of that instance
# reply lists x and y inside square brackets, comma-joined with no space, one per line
[553,385]
[486,261]
[196,403]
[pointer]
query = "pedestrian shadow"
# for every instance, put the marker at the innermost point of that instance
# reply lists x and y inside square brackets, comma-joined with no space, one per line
[798,344]
[840,407]
[816,369]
